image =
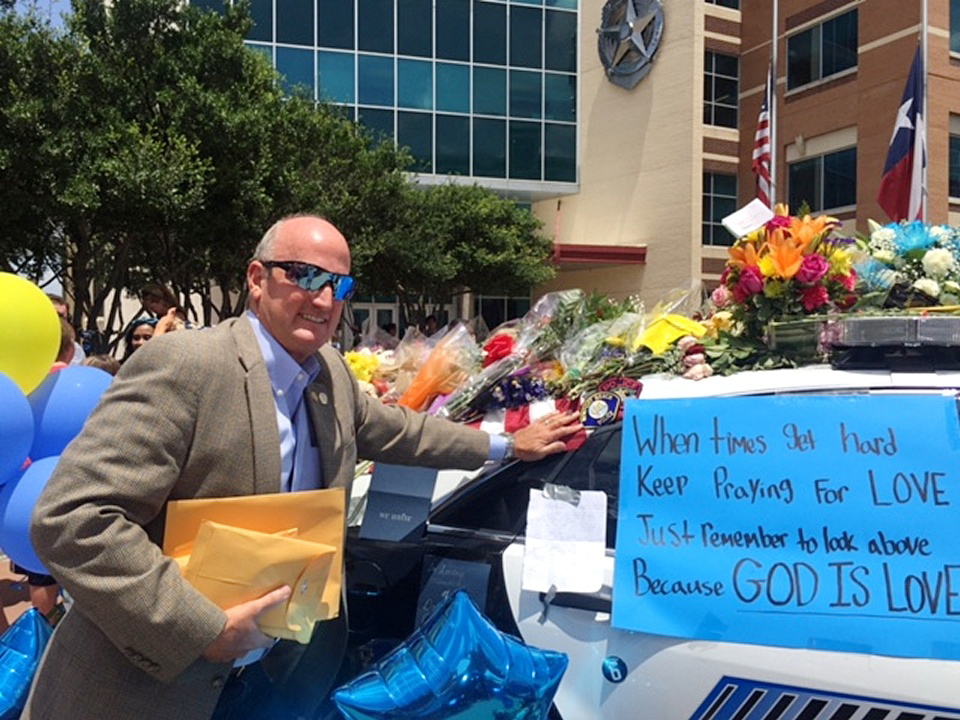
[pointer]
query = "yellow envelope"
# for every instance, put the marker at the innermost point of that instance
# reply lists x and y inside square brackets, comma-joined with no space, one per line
[231,565]
[317,516]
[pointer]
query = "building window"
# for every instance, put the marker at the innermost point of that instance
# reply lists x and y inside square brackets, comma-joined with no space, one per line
[822,51]
[721,75]
[955,166]
[955,26]
[719,200]
[824,182]
[497,310]
[479,88]
[735,4]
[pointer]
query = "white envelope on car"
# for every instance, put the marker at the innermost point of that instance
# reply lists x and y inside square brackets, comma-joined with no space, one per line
[565,541]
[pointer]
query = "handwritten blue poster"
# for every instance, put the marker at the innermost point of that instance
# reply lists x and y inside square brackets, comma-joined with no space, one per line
[826,522]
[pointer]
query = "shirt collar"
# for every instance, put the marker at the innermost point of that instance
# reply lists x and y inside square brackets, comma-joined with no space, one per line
[281,367]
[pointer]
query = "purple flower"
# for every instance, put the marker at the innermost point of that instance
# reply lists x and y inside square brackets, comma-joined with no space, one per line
[812,269]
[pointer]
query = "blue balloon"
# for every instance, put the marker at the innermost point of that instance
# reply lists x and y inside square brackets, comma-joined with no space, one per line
[457,665]
[21,648]
[17,499]
[16,429]
[61,405]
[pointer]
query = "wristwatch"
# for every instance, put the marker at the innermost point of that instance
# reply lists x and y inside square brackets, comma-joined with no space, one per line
[508,453]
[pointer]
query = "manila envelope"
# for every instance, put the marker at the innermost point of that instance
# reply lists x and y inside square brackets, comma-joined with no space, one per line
[231,565]
[316,515]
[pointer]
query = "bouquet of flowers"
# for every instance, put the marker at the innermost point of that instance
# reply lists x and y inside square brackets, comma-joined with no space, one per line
[790,268]
[448,366]
[911,263]
[509,351]
[370,368]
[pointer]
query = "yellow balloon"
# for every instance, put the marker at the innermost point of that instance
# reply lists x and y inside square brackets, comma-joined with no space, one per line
[29,332]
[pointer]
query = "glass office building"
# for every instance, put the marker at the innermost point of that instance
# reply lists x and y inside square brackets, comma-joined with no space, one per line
[484,89]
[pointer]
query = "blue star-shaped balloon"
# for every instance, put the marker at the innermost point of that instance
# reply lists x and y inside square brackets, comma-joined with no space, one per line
[456,666]
[21,647]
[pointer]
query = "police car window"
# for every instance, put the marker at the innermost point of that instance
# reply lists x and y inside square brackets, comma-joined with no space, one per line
[596,466]
[498,503]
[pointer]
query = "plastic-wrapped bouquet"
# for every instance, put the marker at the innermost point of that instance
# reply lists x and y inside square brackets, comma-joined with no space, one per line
[911,263]
[448,366]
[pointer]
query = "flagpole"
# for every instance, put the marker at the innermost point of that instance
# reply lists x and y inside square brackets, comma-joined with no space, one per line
[773,104]
[924,191]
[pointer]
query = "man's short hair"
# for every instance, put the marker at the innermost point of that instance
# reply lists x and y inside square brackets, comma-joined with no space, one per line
[59,302]
[67,338]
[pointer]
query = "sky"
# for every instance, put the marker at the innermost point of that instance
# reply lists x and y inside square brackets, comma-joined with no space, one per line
[52,9]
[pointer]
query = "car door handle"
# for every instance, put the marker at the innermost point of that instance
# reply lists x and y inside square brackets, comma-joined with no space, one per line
[591,602]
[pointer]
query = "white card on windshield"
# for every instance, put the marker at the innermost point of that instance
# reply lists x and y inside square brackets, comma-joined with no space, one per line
[565,541]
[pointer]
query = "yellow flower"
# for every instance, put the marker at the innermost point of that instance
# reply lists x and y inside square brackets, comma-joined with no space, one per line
[615,341]
[841,262]
[720,321]
[362,363]
[774,289]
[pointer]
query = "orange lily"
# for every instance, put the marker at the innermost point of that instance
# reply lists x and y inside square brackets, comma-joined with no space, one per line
[744,254]
[784,254]
[806,229]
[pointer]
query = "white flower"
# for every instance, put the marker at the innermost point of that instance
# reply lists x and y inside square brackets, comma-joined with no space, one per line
[938,263]
[887,257]
[951,287]
[939,233]
[883,236]
[928,286]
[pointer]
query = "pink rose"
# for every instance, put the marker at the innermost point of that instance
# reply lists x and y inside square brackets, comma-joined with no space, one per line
[813,297]
[721,296]
[750,283]
[778,221]
[812,269]
[698,372]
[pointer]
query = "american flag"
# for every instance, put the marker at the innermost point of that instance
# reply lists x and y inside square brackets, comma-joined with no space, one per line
[761,147]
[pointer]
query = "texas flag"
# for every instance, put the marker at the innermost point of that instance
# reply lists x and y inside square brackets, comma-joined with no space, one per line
[901,191]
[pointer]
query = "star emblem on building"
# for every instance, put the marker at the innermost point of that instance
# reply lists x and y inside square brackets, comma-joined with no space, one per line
[628,38]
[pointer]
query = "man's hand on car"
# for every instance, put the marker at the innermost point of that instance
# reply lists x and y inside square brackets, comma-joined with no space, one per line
[545,436]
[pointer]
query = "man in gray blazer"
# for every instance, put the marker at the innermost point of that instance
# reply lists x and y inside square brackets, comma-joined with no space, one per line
[215,413]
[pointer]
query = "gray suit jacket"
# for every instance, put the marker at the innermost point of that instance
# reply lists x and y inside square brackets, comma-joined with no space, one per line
[190,415]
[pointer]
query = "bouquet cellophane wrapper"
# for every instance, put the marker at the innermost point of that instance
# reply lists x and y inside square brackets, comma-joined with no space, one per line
[315,515]
[232,565]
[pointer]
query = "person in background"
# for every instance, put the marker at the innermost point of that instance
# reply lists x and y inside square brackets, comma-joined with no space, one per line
[137,334]
[63,310]
[43,589]
[159,301]
[257,404]
[107,363]
[430,325]
[68,349]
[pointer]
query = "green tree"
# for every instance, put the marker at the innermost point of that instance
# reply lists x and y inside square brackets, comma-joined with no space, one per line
[451,239]
[148,143]
[145,141]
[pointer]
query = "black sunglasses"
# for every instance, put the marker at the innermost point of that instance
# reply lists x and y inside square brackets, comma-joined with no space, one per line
[314,278]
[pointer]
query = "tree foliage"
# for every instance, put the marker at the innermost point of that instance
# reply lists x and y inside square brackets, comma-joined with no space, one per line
[145,141]
[451,239]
